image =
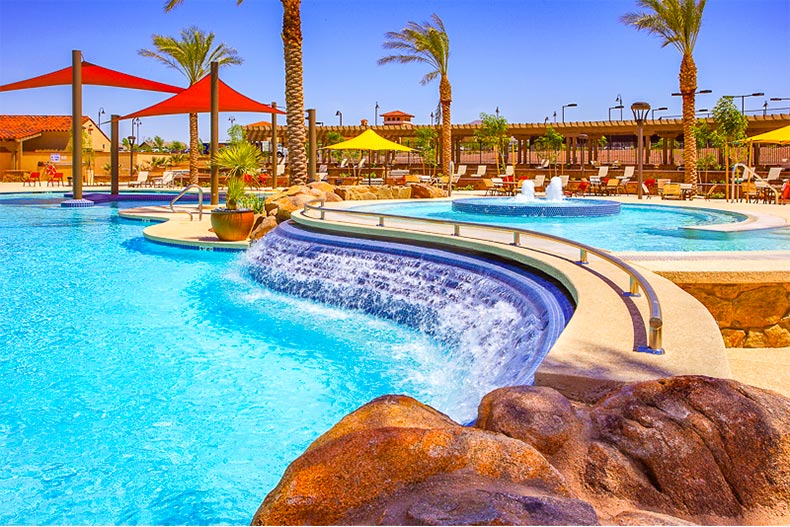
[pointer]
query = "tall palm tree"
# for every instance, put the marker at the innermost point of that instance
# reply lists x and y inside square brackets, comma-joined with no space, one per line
[192,55]
[677,22]
[427,43]
[294,85]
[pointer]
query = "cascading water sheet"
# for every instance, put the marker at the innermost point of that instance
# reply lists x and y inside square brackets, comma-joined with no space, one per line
[500,320]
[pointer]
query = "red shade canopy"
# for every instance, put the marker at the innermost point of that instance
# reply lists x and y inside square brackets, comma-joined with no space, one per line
[197,99]
[92,74]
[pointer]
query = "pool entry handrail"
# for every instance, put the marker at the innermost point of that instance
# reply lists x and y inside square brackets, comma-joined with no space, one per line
[200,201]
[636,279]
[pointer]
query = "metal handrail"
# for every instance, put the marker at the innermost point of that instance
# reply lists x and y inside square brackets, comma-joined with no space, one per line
[750,172]
[655,324]
[200,201]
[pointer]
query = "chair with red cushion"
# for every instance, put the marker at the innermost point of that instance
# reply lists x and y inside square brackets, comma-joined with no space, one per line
[32,179]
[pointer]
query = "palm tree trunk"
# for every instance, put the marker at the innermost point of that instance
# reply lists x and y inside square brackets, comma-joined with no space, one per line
[194,148]
[446,98]
[688,87]
[294,89]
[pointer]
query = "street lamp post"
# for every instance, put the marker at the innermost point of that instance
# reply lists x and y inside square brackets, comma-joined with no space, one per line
[376,116]
[654,110]
[743,98]
[497,112]
[640,110]
[339,114]
[619,101]
[98,122]
[131,156]
[570,105]
[431,118]
[618,107]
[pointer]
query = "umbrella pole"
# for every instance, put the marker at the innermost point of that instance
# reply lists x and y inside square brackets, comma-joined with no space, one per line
[214,132]
[76,123]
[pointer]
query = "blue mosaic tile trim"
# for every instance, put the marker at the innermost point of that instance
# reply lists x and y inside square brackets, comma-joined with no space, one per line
[198,247]
[540,208]
[77,203]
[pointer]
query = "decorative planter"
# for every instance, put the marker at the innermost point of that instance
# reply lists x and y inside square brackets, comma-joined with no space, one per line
[232,225]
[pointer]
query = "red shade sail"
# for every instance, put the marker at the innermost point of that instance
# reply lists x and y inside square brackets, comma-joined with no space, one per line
[92,74]
[197,99]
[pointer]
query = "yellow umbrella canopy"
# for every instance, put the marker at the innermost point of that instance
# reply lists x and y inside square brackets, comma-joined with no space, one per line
[369,140]
[778,136]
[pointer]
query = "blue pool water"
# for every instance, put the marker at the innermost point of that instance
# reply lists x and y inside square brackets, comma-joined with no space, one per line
[147,384]
[636,228]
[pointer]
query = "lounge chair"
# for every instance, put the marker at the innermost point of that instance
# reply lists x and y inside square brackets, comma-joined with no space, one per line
[540,181]
[660,183]
[544,164]
[564,180]
[510,172]
[142,179]
[773,175]
[166,180]
[579,190]
[671,191]
[749,192]
[646,191]
[481,171]
[322,173]
[461,172]
[628,172]
[498,186]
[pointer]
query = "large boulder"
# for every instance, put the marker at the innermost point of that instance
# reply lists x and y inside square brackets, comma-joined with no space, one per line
[421,191]
[390,454]
[692,447]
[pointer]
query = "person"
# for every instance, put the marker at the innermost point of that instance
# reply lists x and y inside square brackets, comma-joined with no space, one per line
[785,194]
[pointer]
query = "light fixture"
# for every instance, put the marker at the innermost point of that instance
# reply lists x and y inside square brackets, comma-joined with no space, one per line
[569,105]
[640,110]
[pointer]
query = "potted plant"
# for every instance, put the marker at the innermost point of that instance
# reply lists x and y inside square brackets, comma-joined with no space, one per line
[232,223]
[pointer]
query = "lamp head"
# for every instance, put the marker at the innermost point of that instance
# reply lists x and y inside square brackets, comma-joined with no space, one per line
[640,110]
[571,105]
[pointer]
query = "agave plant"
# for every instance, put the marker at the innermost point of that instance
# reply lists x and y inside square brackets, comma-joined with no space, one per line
[235,192]
[239,159]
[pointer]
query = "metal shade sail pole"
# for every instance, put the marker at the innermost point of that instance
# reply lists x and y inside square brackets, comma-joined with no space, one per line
[214,132]
[76,122]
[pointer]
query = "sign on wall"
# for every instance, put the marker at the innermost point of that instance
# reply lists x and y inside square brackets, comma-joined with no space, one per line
[54,158]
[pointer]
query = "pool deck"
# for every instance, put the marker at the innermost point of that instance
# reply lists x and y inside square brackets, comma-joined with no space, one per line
[612,339]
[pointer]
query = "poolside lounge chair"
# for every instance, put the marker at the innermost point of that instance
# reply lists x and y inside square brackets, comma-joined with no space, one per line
[322,173]
[343,163]
[672,191]
[579,189]
[612,186]
[481,171]
[166,180]
[461,172]
[540,181]
[773,175]
[498,187]
[510,172]
[660,183]
[142,179]
[628,172]
[749,192]
[543,164]
[564,180]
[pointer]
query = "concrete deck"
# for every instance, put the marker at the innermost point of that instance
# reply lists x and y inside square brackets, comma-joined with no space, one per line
[598,342]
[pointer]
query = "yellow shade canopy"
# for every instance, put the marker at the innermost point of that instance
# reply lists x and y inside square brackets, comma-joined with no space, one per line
[778,136]
[369,140]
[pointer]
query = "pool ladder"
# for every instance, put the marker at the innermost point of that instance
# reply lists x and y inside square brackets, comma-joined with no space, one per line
[200,201]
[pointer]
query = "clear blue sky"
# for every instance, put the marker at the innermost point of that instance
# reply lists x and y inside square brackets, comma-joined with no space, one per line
[528,57]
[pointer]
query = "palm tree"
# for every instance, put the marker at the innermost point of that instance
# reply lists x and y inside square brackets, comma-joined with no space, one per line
[294,86]
[192,55]
[677,22]
[428,43]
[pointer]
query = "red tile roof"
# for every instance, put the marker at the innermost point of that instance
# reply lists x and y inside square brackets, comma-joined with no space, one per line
[14,127]
[396,113]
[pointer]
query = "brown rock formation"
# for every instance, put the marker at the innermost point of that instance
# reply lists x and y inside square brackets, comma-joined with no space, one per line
[420,191]
[670,451]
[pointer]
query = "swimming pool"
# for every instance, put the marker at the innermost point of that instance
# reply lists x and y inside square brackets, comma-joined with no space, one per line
[147,384]
[636,228]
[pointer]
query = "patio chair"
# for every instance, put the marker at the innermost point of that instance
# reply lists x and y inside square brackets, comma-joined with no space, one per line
[461,172]
[510,172]
[660,183]
[498,187]
[540,181]
[322,173]
[142,179]
[628,172]
[773,175]
[646,191]
[749,192]
[481,171]
[624,184]
[544,164]
[55,179]
[612,186]
[602,172]
[32,179]
[671,191]
[579,189]
[343,163]
[564,180]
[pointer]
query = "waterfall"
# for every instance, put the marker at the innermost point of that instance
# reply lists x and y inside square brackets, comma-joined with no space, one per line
[498,319]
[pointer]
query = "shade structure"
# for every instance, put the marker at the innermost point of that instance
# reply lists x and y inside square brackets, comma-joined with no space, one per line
[778,136]
[369,140]
[197,99]
[92,74]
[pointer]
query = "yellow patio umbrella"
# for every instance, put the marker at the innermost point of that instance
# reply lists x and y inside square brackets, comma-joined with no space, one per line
[779,136]
[369,140]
